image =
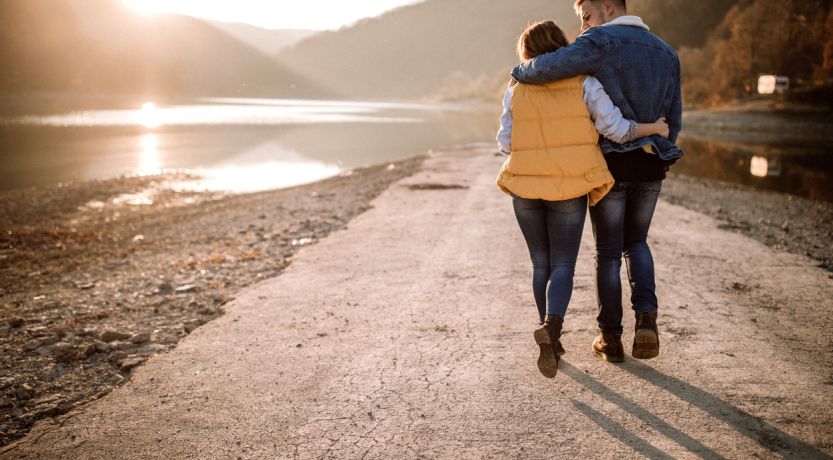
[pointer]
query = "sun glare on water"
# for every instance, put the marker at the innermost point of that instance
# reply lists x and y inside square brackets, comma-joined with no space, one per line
[149,116]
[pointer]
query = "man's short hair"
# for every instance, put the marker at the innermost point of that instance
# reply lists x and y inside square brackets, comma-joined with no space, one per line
[621,3]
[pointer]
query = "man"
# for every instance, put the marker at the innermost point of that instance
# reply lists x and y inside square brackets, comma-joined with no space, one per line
[641,73]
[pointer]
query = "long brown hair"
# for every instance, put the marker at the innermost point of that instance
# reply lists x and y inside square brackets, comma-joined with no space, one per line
[540,38]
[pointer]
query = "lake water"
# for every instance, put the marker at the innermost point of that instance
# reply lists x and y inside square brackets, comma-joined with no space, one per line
[243,145]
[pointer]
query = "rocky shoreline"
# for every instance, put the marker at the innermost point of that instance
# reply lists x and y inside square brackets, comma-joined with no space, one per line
[91,285]
[778,220]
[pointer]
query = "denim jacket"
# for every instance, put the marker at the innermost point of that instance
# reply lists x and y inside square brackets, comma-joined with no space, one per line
[640,72]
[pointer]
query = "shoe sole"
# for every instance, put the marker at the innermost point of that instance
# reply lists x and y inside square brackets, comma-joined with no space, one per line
[547,360]
[609,358]
[645,344]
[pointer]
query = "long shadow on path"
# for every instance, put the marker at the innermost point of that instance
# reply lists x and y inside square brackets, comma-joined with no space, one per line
[692,445]
[743,422]
[620,433]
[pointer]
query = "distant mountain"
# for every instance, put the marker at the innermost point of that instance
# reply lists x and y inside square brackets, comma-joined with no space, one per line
[447,48]
[100,47]
[266,41]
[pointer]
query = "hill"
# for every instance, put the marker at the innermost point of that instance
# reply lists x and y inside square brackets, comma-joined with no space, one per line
[99,47]
[461,49]
[267,41]
[453,48]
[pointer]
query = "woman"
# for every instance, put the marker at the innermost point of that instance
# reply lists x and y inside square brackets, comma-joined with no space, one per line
[554,168]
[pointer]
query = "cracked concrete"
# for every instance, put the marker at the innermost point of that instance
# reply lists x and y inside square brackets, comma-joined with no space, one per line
[409,334]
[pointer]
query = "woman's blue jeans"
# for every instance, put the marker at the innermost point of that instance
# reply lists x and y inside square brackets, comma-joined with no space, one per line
[552,230]
[620,225]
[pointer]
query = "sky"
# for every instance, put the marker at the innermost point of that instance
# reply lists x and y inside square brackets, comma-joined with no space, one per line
[273,14]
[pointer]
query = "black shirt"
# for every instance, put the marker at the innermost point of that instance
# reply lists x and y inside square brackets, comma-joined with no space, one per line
[635,166]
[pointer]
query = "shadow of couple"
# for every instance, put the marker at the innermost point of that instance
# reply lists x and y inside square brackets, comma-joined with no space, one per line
[746,424]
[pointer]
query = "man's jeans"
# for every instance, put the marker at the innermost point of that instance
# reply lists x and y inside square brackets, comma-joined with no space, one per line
[620,225]
[552,230]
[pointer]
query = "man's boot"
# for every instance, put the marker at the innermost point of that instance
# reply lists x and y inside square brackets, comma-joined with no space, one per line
[608,346]
[548,339]
[646,337]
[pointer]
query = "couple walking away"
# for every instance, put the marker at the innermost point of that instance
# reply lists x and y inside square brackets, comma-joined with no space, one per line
[592,122]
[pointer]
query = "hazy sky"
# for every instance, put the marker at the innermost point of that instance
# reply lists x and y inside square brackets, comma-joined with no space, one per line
[274,14]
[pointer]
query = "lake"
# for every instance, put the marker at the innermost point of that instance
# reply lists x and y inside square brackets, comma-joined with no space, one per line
[245,145]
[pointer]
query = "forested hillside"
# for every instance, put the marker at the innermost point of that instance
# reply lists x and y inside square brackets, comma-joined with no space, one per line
[725,45]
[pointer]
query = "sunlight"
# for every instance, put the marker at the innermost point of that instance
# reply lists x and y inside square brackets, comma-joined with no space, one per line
[146,7]
[149,160]
[149,116]
[258,177]
[311,14]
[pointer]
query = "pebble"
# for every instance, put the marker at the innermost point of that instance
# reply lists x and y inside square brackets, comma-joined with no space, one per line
[109,336]
[165,288]
[131,362]
[44,410]
[122,345]
[141,337]
[189,326]
[64,352]
[185,289]
[31,345]
[150,348]
[25,391]
[50,340]
[117,356]
[45,351]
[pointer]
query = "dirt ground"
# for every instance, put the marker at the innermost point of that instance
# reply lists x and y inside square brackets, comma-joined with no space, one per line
[409,333]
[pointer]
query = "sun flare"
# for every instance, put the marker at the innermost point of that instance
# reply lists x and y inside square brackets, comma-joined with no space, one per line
[310,14]
[146,7]
[149,116]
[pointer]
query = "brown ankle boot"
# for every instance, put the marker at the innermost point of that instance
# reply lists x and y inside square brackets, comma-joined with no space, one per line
[646,337]
[608,346]
[548,339]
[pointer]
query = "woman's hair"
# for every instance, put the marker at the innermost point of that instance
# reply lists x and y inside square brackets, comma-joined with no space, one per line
[540,38]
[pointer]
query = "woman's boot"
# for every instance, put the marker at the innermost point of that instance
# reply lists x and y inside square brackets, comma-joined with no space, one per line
[548,338]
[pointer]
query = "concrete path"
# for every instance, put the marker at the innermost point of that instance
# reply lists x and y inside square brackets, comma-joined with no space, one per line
[409,334]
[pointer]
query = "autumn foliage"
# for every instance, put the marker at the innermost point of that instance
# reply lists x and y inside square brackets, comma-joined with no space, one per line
[725,45]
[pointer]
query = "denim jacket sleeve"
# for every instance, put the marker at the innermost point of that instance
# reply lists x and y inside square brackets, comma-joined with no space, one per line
[582,57]
[675,111]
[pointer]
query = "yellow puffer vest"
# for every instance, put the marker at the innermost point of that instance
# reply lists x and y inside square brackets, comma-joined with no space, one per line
[555,145]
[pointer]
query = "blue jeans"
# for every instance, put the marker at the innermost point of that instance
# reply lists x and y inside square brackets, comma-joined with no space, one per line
[620,225]
[552,230]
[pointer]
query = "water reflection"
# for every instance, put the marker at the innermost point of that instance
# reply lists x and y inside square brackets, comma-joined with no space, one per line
[802,171]
[248,145]
[243,177]
[232,155]
[764,167]
[235,112]
[149,161]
